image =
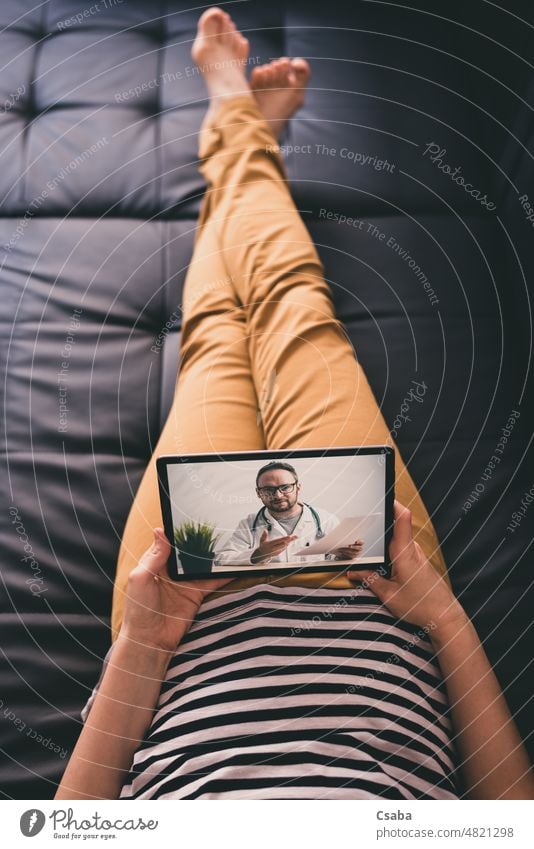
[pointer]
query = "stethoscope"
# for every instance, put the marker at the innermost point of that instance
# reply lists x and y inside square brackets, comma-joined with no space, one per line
[319,533]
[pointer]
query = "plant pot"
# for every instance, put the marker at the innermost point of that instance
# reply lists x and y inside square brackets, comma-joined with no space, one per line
[196,564]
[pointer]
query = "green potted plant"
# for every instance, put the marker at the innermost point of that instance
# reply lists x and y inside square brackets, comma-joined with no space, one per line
[195,543]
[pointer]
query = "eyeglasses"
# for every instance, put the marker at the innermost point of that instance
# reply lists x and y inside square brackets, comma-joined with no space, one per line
[270,491]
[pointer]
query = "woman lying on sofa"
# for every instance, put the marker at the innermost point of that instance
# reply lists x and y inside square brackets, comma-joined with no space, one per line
[314,687]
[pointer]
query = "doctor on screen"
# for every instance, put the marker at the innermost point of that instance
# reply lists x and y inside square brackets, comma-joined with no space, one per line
[282,526]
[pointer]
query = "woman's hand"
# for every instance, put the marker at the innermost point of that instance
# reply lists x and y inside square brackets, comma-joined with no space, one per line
[415,592]
[158,612]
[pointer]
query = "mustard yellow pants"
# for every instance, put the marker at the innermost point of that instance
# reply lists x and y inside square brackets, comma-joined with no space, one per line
[264,361]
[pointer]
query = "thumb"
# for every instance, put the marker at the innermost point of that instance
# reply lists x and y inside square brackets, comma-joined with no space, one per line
[402,529]
[264,536]
[154,560]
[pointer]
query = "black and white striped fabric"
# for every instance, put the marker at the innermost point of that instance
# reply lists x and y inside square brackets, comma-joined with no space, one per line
[293,693]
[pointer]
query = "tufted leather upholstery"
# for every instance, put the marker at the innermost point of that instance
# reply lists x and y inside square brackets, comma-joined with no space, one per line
[100,194]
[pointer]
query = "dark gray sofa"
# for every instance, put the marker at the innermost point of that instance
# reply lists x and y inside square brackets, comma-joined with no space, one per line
[100,194]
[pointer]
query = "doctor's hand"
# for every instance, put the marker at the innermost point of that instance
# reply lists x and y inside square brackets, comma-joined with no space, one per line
[349,552]
[158,612]
[272,548]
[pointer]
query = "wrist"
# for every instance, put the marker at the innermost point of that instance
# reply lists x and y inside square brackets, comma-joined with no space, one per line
[256,559]
[138,656]
[449,624]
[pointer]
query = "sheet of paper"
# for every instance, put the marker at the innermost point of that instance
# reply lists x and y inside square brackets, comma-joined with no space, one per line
[348,530]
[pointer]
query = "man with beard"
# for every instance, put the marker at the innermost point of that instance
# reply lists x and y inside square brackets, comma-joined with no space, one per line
[283,526]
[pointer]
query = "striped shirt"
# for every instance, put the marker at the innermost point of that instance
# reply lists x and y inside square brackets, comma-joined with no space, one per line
[298,693]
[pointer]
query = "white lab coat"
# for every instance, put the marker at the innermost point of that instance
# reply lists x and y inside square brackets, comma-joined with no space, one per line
[244,542]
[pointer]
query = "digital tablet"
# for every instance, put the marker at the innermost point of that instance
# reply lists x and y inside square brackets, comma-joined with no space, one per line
[262,512]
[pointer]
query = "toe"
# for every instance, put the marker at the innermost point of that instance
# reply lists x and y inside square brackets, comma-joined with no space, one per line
[212,21]
[231,35]
[283,72]
[292,79]
[262,77]
[301,69]
[257,77]
[274,75]
[270,77]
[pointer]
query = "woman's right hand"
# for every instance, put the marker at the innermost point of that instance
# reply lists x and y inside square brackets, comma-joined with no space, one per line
[415,592]
[158,611]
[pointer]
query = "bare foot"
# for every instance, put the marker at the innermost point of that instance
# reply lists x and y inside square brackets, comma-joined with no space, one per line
[221,53]
[279,89]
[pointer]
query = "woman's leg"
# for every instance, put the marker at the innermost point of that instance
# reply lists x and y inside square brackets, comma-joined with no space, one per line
[312,390]
[214,407]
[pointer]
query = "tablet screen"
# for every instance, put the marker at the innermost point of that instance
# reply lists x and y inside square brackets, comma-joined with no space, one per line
[238,513]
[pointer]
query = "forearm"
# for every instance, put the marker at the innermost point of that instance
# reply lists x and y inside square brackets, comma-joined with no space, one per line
[116,724]
[495,763]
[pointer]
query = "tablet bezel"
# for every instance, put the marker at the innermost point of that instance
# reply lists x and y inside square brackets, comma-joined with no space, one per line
[166,460]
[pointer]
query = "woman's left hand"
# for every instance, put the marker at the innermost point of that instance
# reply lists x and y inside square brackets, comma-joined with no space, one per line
[158,612]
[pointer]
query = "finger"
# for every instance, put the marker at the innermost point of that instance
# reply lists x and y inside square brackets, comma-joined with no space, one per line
[361,574]
[402,532]
[283,542]
[380,586]
[278,545]
[206,585]
[218,583]
[277,549]
[155,558]
[272,552]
